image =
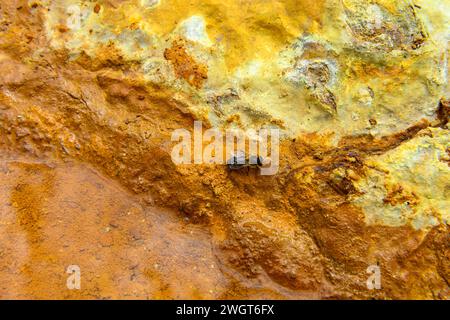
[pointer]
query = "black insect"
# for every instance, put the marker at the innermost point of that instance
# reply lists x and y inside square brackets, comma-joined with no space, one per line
[240,161]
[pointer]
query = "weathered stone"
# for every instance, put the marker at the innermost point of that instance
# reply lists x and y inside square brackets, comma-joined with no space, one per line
[359,90]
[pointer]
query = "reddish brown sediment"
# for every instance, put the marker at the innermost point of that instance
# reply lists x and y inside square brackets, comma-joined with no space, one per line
[185,66]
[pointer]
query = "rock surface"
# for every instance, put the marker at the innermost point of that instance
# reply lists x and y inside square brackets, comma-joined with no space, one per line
[91,91]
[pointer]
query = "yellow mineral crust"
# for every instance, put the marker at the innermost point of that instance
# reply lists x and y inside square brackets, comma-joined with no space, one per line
[410,184]
[385,62]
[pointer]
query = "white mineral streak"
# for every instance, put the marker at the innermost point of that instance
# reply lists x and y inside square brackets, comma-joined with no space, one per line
[194,29]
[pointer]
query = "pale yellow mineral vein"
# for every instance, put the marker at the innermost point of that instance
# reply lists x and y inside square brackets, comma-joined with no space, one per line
[417,176]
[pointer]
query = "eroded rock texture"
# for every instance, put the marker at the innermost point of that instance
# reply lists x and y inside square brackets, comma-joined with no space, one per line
[91,91]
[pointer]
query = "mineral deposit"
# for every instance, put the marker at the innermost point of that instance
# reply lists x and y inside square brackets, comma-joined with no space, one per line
[91,92]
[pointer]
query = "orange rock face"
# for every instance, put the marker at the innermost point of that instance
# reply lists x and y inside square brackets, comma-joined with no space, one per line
[185,67]
[87,177]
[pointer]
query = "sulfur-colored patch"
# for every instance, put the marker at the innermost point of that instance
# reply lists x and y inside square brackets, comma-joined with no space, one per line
[385,64]
[409,185]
